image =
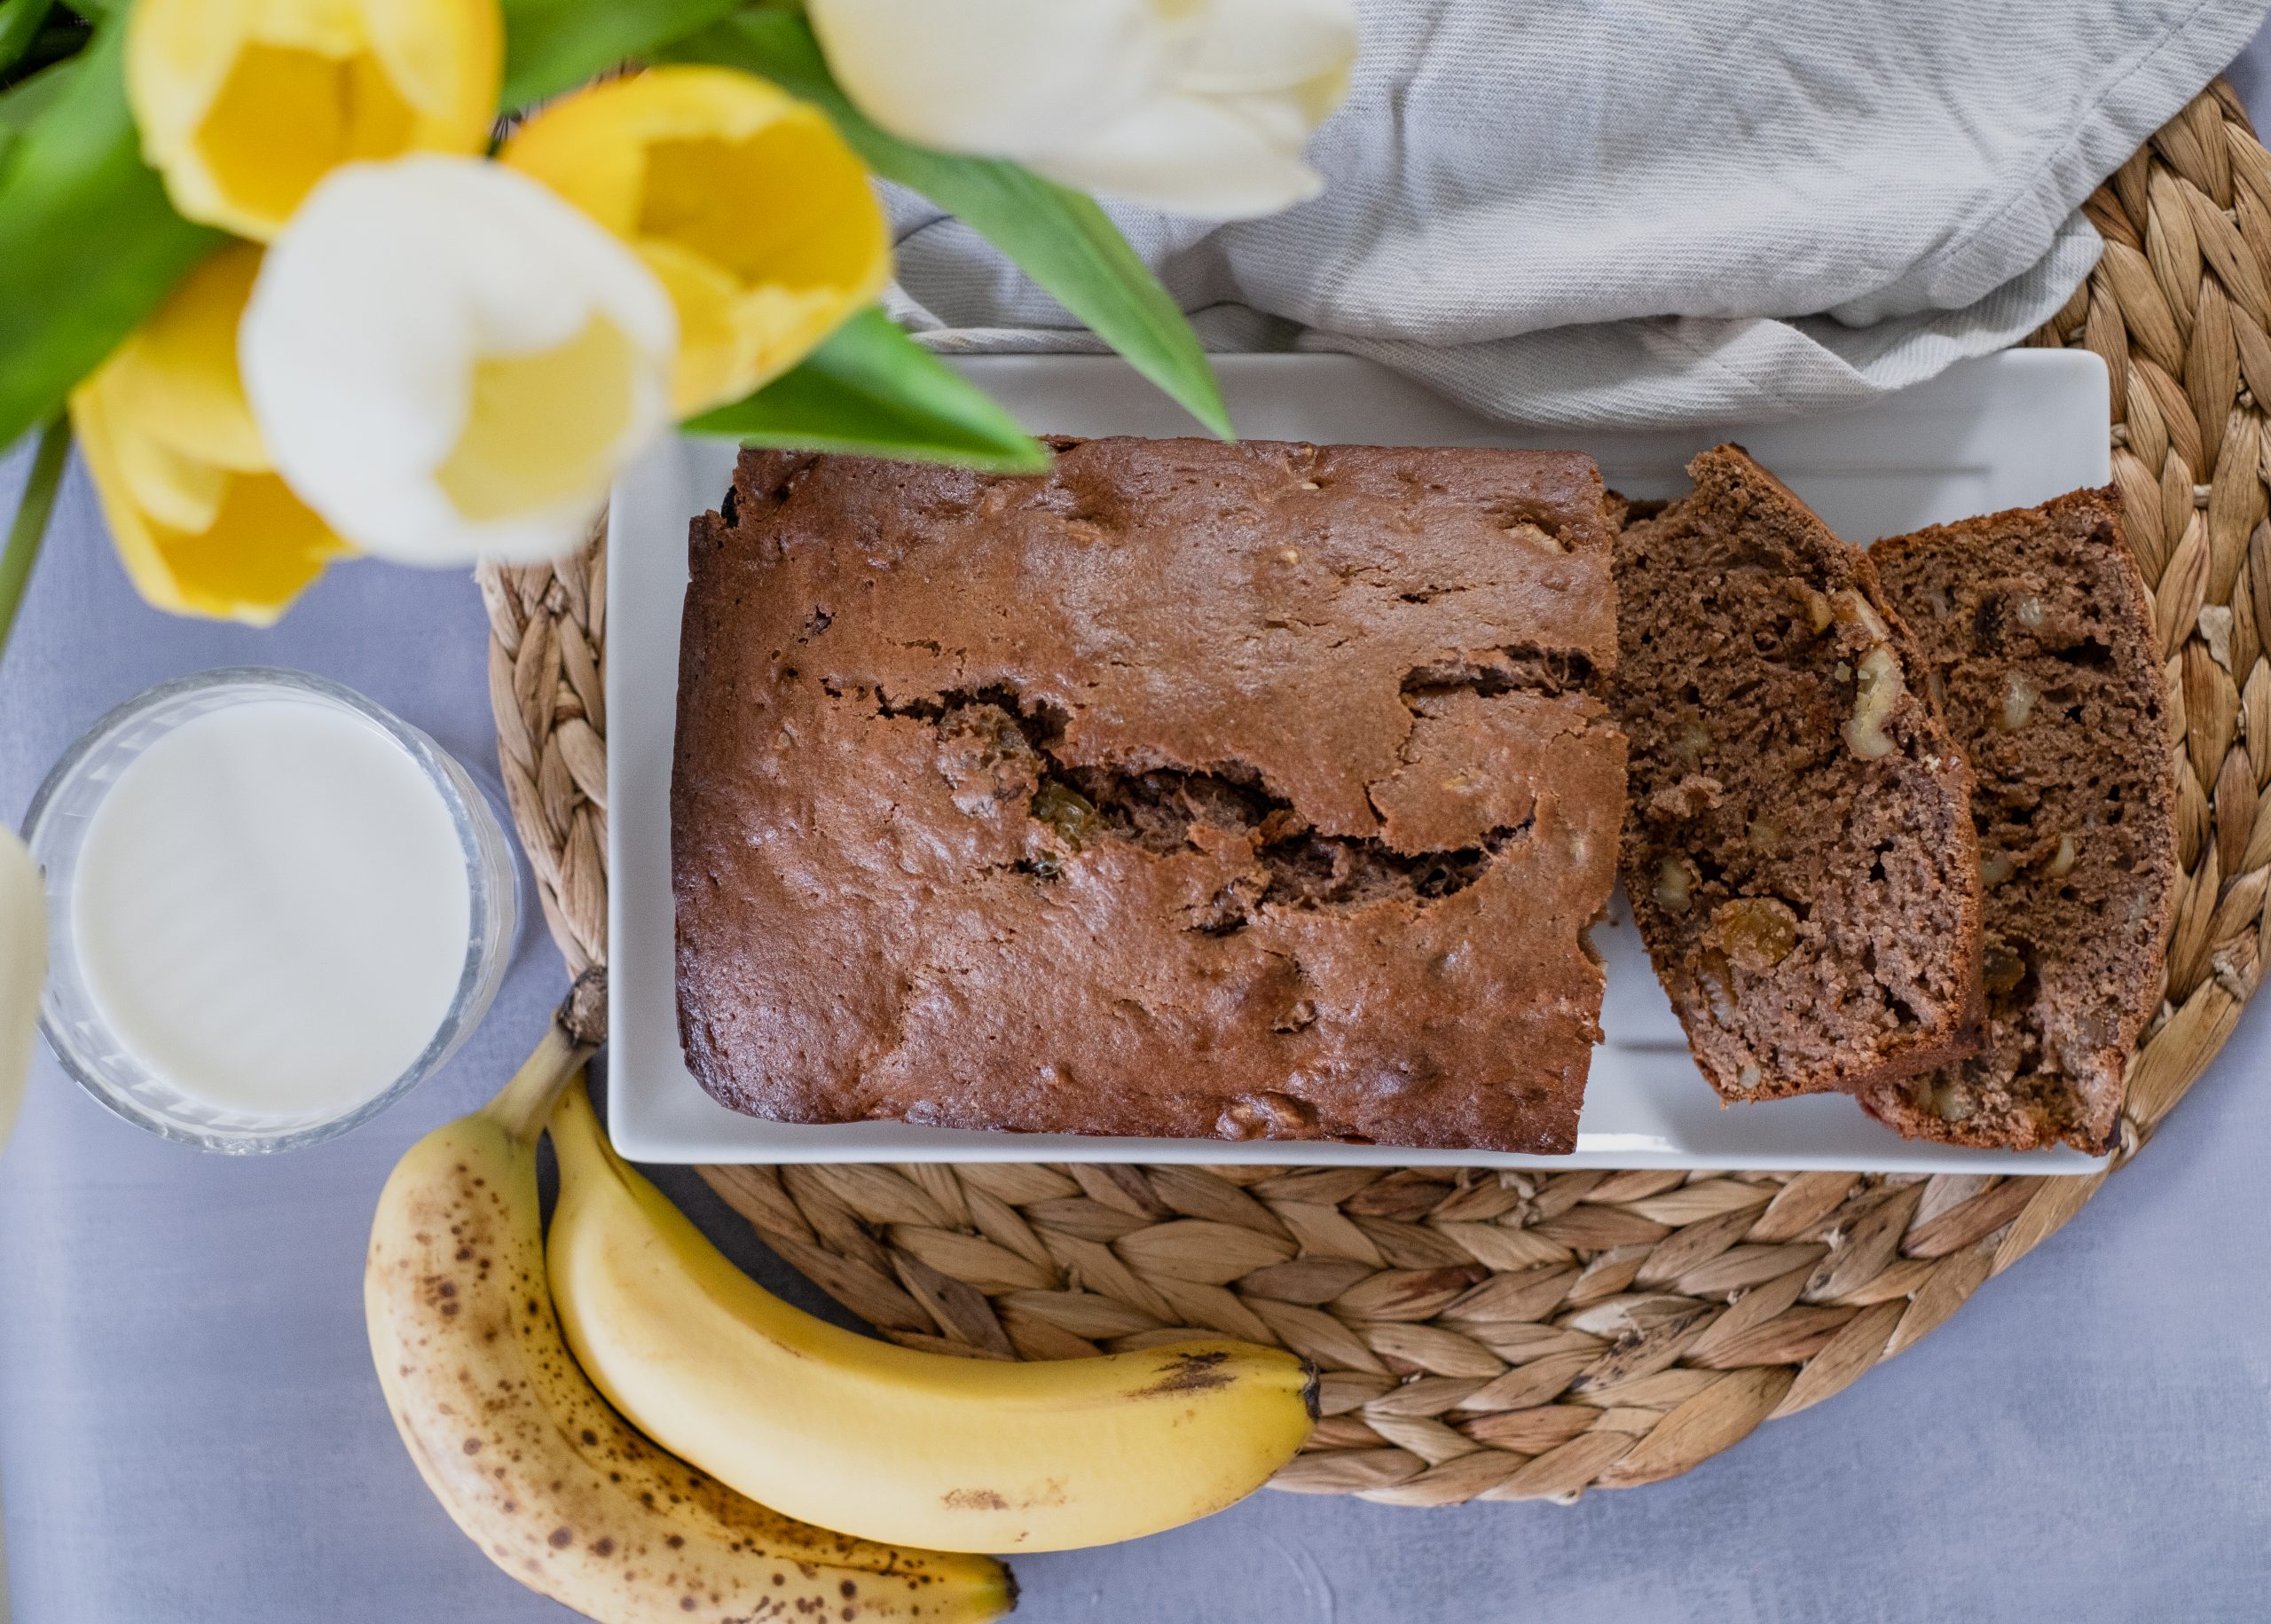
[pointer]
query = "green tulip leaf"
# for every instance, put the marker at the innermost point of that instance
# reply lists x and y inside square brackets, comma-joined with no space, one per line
[1057,236]
[19,25]
[89,245]
[872,391]
[21,104]
[554,45]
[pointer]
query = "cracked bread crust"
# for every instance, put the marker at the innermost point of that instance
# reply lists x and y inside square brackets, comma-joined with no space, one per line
[1799,851]
[2039,640]
[1189,790]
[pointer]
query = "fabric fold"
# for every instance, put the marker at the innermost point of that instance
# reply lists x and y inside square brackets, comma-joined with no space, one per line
[1582,213]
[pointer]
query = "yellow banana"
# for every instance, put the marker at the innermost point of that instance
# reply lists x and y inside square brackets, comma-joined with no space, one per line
[529,1459]
[886,1442]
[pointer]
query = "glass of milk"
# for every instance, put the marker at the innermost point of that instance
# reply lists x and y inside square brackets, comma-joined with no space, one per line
[274,909]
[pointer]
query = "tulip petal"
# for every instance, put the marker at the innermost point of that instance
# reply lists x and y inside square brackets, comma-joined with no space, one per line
[23,970]
[180,381]
[746,203]
[1007,78]
[243,553]
[1253,47]
[201,524]
[447,362]
[177,491]
[244,107]
[1221,158]
[1200,106]
[537,420]
[712,355]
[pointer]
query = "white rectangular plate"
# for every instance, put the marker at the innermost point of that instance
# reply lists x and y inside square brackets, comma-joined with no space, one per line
[2005,431]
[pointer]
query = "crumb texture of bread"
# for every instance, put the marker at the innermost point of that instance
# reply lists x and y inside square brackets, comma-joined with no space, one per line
[1798,851]
[2038,636]
[1198,790]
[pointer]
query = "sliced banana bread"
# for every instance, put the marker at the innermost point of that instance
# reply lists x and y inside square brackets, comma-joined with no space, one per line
[1798,848]
[2039,642]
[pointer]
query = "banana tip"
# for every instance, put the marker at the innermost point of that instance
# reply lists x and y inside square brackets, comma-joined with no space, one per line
[1312,1385]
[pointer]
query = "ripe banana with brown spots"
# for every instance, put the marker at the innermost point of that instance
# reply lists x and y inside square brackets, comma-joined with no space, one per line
[526,1455]
[890,1442]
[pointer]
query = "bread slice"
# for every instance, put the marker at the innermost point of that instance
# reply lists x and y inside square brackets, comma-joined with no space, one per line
[2039,642]
[1798,849]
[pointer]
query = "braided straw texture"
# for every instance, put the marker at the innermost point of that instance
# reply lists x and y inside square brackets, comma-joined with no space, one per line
[1530,1335]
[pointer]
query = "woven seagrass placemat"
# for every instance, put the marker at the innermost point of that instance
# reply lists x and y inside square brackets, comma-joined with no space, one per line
[1526,1335]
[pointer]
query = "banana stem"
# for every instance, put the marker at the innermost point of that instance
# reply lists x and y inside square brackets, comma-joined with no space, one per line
[579,1027]
[524,1105]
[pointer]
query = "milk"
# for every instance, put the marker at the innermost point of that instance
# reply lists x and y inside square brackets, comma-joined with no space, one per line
[272,908]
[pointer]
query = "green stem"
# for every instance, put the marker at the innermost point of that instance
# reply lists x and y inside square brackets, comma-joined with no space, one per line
[24,535]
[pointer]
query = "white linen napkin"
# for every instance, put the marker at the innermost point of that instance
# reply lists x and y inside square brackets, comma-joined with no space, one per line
[1662,211]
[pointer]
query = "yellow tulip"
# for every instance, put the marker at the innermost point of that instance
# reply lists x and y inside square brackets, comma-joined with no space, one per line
[244,104]
[201,523]
[744,201]
[183,386]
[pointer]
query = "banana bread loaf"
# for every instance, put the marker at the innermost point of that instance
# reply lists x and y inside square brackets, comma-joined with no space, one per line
[1258,790]
[2039,642]
[1799,851]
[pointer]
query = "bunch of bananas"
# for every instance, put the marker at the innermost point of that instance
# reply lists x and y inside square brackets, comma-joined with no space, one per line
[800,1448]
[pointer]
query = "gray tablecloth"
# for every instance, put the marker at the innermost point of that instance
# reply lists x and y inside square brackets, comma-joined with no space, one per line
[190,1431]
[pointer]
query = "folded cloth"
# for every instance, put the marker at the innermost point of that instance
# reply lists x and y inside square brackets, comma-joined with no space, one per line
[1588,212]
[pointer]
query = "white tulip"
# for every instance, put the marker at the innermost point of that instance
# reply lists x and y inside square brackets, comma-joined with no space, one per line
[23,970]
[448,362]
[1200,106]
